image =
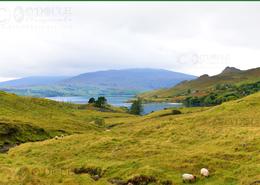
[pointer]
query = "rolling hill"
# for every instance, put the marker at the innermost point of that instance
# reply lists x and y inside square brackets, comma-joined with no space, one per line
[111,82]
[32,81]
[137,79]
[152,149]
[24,119]
[205,85]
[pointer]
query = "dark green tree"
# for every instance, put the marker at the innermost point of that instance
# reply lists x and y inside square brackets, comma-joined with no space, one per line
[91,100]
[137,107]
[101,102]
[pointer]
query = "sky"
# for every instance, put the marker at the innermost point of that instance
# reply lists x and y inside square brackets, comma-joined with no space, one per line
[70,38]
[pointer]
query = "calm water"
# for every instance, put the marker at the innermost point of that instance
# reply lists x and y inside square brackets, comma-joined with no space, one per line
[118,101]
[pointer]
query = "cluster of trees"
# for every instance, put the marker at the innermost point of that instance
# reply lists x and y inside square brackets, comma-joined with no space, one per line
[100,102]
[211,99]
[223,93]
[136,107]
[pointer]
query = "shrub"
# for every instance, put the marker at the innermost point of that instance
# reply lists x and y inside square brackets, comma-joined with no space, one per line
[142,180]
[174,112]
[91,100]
[101,102]
[136,107]
[166,182]
[99,121]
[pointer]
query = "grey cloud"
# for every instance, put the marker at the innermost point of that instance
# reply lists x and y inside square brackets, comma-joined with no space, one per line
[87,36]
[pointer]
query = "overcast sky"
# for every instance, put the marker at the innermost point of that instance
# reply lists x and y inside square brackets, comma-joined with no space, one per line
[65,38]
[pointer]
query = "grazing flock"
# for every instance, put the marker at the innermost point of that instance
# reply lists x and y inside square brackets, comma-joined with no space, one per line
[186,177]
[192,178]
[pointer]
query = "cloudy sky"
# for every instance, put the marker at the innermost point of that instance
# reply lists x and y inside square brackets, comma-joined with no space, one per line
[45,38]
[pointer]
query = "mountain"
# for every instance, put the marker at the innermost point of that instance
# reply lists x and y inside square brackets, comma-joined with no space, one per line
[138,79]
[110,82]
[230,77]
[32,81]
[230,70]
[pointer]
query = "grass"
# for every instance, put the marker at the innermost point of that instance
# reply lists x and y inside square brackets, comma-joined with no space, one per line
[225,139]
[21,117]
[202,86]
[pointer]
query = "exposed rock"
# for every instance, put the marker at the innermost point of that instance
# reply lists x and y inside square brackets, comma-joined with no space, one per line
[230,70]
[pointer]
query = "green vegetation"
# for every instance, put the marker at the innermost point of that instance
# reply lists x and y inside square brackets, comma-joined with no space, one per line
[91,100]
[223,93]
[209,90]
[25,119]
[136,107]
[101,148]
[63,90]
[101,102]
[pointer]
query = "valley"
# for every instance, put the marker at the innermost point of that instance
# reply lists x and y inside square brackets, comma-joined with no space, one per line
[162,146]
[129,93]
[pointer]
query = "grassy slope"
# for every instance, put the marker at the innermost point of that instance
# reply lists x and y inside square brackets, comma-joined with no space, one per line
[203,85]
[25,117]
[224,139]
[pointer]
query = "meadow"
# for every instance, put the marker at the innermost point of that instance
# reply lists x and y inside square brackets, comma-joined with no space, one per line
[153,149]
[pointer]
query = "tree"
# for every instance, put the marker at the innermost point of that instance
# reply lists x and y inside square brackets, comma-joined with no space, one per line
[137,107]
[91,100]
[101,102]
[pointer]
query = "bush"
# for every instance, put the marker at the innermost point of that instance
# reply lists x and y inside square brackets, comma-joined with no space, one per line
[142,180]
[91,100]
[94,172]
[101,102]
[136,107]
[166,182]
[174,112]
[99,121]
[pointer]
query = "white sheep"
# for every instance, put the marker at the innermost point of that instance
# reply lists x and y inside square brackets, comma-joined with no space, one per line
[204,172]
[56,137]
[188,177]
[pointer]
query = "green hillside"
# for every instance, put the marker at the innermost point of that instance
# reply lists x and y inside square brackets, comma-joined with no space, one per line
[226,82]
[156,148]
[30,119]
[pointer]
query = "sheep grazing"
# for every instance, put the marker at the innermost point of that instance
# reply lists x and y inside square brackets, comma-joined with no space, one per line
[188,178]
[56,137]
[204,172]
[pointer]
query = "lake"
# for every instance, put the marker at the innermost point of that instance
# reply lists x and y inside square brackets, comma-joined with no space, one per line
[117,100]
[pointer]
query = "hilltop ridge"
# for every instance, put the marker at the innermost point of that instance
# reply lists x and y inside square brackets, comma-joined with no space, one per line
[204,85]
[230,70]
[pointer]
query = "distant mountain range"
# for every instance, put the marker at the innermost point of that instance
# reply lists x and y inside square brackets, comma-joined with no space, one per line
[137,79]
[32,81]
[126,81]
